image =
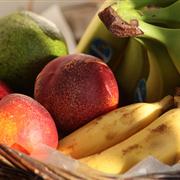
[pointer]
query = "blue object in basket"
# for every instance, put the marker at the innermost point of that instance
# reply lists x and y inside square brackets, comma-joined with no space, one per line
[140,91]
[101,49]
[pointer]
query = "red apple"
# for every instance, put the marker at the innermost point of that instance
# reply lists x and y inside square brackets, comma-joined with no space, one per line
[4,90]
[25,124]
[75,89]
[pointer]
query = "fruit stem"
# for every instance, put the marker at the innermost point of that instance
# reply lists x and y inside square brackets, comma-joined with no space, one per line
[167,102]
[177,101]
[131,24]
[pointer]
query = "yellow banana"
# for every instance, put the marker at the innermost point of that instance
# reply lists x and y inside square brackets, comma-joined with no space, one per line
[160,139]
[163,74]
[111,128]
[154,84]
[177,100]
[133,69]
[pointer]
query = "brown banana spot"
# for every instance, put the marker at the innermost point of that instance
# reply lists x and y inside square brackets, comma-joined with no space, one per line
[68,150]
[131,148]
[127,117]
[111,136]
[160,129]
[117,25]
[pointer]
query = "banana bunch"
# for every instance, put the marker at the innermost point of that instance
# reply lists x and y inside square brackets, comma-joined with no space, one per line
[114,142]
[158,30]
[132,72]
[160,139]
[144,36]
[112,128]
[163,75]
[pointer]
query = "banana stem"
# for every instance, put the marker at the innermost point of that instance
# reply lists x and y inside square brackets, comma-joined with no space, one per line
[166,103]
[131,24]
[135,20]
[123,24]
[177,101]
[153,32]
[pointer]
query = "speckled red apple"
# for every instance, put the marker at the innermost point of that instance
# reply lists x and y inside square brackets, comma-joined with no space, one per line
[75,89]
[25,124]
[4,90]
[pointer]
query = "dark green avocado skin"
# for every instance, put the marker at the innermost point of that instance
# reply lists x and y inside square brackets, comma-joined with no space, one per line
[27,43]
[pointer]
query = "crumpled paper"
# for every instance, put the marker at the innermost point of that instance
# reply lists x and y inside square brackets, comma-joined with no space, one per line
[53,157]
[150,165]
[55,15]
[147,166]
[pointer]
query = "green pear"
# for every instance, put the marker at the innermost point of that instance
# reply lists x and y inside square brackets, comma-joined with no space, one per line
[27,43]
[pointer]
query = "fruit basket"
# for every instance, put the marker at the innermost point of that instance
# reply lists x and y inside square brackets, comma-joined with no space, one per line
[109,110]
[15,165]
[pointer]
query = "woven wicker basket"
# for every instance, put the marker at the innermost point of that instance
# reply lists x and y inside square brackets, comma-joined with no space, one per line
[17,166]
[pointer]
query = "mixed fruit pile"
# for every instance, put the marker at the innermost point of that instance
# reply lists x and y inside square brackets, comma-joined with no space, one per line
[109,105]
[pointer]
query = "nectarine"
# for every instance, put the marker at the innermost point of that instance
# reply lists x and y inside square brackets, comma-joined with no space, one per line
[75,89]
[24,123]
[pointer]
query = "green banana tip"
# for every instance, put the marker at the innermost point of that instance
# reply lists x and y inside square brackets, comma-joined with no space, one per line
[117,26]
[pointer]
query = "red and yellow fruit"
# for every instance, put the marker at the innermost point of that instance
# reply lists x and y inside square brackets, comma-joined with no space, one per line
[75,89]
[25,124]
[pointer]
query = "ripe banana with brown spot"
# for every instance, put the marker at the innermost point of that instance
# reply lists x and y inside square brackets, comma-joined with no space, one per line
[112,128]
[160,139]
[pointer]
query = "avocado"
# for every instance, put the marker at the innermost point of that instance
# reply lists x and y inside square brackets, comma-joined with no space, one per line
[27,43]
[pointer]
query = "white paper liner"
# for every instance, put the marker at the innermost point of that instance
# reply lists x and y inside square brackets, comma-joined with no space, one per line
[56,158]
[55,15]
